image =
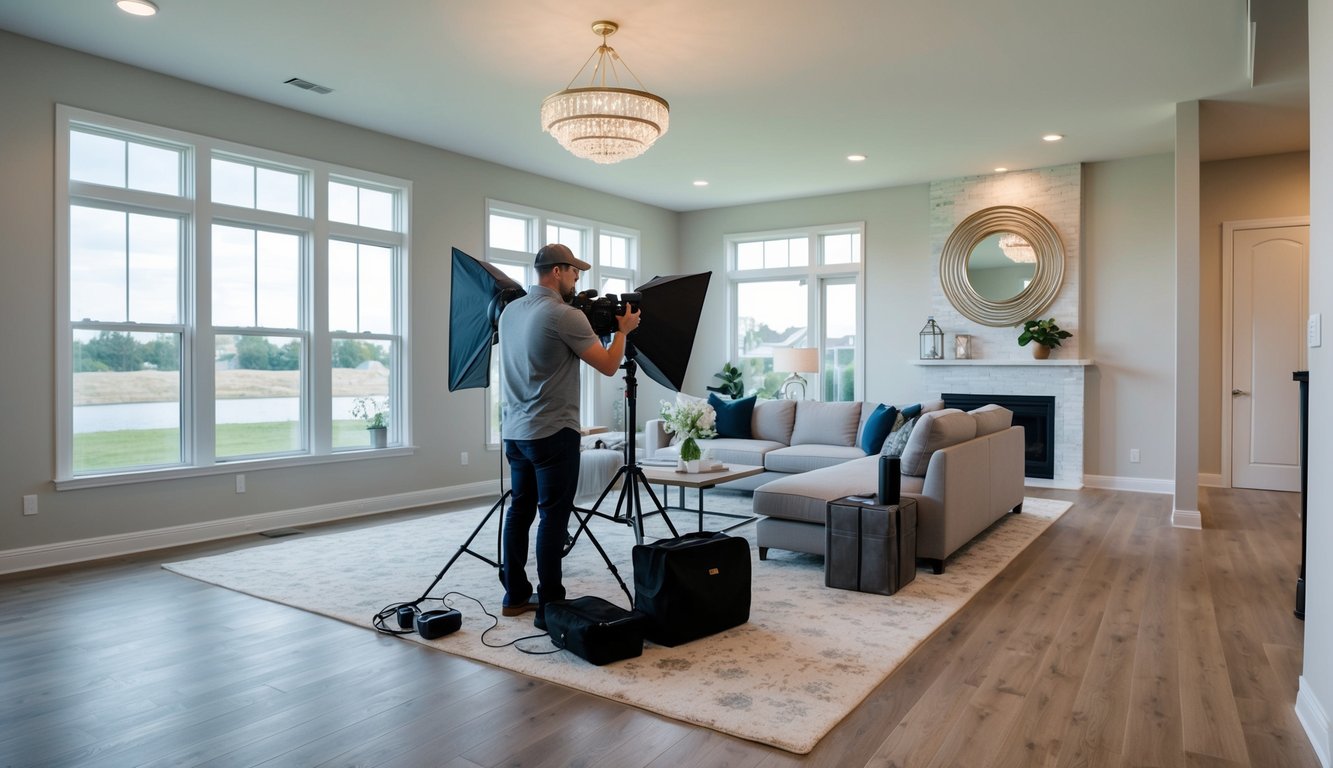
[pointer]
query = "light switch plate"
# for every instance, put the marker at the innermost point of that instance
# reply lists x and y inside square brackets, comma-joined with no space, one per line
[1313,332]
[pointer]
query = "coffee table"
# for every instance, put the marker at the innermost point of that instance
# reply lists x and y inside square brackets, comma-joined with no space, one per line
[703,481]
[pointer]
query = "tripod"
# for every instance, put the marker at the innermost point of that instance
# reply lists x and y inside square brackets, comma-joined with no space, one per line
[629,507]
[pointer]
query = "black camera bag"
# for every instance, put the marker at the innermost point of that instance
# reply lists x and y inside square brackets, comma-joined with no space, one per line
[692,586]
[595,630]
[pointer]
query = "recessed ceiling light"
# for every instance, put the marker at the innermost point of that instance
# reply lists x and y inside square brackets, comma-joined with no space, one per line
[1001,170]
[700,183]
[1052,137]
[137,7]
[857,158]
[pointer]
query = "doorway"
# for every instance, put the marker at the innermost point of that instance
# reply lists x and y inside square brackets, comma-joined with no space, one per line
[1265,303]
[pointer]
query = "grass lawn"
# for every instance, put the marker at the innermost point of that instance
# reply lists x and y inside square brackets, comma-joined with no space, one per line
[122,449]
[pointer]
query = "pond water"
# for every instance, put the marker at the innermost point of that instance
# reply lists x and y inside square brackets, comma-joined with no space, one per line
[105,418]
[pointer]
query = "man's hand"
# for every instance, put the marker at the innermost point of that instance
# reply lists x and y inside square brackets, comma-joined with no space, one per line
[630,320]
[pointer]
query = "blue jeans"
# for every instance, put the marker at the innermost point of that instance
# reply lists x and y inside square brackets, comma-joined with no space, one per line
[544,475]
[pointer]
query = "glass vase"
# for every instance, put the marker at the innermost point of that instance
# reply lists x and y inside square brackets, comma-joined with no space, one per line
[689,450]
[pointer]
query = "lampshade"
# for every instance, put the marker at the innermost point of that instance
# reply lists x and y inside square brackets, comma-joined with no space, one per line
[600,122]
[796,359]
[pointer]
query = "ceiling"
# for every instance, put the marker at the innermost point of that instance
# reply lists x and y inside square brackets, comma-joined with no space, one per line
[767,96]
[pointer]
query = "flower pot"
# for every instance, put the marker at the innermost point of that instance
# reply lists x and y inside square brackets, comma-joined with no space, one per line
[379,436]
[692,466]
[1041,351]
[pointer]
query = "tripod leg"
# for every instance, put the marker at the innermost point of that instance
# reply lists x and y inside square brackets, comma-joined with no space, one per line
[658,506]
[610,565]
[499,504]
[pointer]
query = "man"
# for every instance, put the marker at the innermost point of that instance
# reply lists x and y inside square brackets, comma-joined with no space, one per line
[542,340]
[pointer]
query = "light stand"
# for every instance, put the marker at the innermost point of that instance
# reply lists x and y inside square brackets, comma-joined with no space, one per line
[629,507]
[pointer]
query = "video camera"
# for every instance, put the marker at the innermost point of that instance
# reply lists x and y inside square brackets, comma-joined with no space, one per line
[602,311]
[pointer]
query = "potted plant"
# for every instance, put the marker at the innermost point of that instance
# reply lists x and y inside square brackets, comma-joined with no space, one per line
[692,419]
[1045,333]
[376,415]
[732,384]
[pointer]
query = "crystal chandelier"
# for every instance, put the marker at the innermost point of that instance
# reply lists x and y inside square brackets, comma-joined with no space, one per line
[605,123]
[1017,249]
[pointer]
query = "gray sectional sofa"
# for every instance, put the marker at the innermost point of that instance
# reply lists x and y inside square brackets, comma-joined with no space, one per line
[965,470]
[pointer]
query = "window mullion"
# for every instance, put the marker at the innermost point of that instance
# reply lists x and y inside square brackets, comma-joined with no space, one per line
[320,348]
[202,409]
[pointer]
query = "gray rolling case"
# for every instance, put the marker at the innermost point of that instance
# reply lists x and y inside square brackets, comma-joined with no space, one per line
[870,547]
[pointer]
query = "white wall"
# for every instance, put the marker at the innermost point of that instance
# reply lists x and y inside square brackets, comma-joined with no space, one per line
[448,210]
[1314,701]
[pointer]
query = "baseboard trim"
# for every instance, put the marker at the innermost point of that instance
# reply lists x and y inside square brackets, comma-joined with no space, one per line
[1313,718]
[1042,482]
[1191,519]
[117,545]
[1212,481]
[1137,484]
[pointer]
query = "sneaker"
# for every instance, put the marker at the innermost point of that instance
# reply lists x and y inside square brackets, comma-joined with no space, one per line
[520,609]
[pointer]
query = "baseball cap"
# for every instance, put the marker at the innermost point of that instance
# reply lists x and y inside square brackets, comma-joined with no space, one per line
[558,253]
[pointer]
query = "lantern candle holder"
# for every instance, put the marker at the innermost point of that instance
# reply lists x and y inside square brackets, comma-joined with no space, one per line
[932,340]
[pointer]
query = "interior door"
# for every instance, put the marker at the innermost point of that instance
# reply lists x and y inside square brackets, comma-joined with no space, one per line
[1270,298]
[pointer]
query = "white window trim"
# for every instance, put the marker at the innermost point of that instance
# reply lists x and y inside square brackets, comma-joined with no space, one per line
[816,275]
[197,350]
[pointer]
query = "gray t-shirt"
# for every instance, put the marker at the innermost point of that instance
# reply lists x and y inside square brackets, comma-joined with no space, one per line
[540,338]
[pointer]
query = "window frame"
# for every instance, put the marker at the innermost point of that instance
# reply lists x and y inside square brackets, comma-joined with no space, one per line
[198,213]
[817,275]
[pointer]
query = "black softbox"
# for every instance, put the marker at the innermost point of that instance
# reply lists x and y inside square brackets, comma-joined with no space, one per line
[665,339]
[477,294]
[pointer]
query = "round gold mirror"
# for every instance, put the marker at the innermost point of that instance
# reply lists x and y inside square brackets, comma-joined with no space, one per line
[1002,265]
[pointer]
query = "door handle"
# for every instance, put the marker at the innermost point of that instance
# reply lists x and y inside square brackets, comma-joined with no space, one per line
[1238,392]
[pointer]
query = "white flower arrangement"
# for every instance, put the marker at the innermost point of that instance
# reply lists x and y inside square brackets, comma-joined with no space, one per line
[372,411]
[691,419]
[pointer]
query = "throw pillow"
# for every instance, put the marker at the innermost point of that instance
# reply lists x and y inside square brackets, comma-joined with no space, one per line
[878,427]
[935,430]
[733,416]
[897,439]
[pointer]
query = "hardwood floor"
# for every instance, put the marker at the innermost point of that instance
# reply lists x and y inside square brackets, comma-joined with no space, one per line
[1113,640]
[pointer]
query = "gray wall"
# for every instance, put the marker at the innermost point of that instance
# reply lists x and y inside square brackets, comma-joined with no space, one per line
[1273,186]
[449,209]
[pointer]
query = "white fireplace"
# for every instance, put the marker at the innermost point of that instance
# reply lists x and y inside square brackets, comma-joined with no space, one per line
[1061,379]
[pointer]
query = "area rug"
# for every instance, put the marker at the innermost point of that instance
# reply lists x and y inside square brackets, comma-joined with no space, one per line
[808,656]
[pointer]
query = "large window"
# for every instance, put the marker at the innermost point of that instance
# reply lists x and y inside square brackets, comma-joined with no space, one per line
[798,288]
[220,303]
[514,233]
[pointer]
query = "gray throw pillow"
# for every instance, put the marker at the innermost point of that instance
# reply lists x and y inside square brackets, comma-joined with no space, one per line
[897,439]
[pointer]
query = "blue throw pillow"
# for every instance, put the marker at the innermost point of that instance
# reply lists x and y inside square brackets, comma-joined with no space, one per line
[911,412]
[733,416]
[877,428]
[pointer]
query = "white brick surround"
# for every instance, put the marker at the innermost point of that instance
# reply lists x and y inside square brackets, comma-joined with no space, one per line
[1064,381]
[1000,366]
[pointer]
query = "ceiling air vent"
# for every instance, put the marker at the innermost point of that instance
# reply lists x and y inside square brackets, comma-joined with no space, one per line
[309,86]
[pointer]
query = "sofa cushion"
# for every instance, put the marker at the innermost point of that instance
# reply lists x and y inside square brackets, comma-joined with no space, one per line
[803,458]
[826,423]
[992,418]
[877,427]
[773,420]
[935,430]
[733,416]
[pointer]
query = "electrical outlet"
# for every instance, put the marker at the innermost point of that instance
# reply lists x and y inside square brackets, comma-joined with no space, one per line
[30,504]
[463,458]
[1133,455]
[240,483]
[1313,331]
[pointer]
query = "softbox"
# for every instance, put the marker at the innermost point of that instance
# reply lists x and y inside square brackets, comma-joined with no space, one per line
[477,293]
[665,339]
